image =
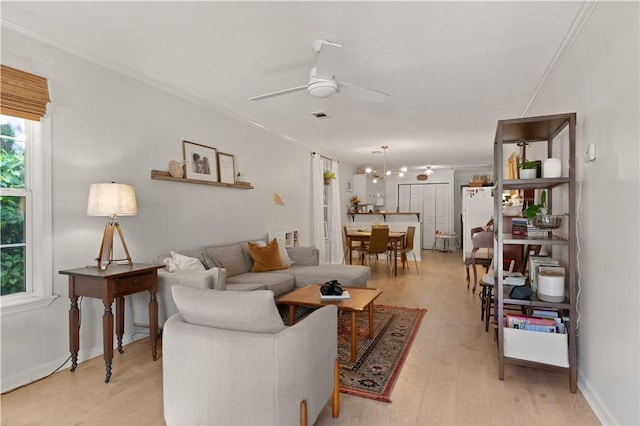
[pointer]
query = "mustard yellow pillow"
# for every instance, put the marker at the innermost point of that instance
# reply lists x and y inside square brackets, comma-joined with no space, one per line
[266,258]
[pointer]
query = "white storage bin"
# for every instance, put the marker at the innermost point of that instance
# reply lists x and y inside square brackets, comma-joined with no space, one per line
[536,346]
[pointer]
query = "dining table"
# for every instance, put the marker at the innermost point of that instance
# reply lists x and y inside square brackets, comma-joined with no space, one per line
[363,235]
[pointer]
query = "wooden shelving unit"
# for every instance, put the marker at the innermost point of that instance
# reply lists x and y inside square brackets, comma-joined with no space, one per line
[162,175]
[558,350]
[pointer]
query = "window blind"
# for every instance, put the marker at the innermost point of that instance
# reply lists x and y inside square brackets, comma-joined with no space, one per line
[23,94]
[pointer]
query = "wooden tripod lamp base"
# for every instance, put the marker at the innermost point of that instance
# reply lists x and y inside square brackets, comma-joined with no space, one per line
[105,255]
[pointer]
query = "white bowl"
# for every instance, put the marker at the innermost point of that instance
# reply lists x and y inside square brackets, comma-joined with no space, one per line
[511,210]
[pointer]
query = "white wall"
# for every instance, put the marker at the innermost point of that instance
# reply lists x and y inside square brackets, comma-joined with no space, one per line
[108,127]
[598,79]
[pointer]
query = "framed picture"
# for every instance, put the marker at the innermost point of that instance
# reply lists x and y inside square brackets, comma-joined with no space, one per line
[226,167]
[200,161]
[349,186]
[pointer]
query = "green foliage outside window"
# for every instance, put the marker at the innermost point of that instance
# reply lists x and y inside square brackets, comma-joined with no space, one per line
[12,211]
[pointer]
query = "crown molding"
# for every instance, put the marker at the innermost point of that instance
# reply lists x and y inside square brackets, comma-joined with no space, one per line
[576,27]
[135,74]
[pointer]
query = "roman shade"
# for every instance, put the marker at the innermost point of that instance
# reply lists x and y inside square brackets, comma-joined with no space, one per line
[23,94]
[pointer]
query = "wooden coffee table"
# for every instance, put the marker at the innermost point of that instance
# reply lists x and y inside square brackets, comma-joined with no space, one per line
[361,299]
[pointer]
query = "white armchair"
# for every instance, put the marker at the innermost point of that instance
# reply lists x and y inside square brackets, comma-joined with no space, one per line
[229,359]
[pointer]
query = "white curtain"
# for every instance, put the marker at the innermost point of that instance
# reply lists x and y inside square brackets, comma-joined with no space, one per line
[335,217]
[317,193]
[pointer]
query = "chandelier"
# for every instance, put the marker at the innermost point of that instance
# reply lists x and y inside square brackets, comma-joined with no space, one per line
[382,174]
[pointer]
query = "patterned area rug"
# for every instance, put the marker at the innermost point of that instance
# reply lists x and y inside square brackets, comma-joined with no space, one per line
[379,360]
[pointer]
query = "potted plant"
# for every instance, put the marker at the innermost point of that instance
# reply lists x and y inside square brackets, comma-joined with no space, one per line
[328,176]
[528,169]
[541,216]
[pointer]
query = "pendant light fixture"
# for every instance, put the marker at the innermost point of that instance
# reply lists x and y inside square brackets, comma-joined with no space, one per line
[382,174]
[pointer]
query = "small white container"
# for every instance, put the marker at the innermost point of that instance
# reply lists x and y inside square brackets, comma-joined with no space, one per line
[550,283]
[552,168]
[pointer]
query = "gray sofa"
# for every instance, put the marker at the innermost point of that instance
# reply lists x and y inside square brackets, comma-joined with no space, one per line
[229,268]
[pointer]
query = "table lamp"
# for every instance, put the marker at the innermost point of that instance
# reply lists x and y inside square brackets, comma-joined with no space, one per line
[111,200]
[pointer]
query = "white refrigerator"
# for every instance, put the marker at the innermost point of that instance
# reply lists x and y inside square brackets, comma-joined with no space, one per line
[477,210]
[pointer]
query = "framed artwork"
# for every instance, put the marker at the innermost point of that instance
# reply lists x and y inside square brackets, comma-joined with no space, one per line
[349,186]
[226,167]
[200,161]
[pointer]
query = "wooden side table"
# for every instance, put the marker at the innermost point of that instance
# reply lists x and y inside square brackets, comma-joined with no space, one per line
[115,282]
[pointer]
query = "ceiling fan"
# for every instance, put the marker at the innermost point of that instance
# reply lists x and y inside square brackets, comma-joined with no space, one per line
[322,83]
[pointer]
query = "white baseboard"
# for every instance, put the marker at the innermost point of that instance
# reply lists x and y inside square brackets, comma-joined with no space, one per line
[595,402]
[25,377]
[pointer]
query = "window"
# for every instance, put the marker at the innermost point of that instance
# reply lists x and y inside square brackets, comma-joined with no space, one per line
[25,214]
[15,196]
[25,192]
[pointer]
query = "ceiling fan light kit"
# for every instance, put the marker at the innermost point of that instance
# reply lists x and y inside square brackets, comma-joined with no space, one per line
[321,88]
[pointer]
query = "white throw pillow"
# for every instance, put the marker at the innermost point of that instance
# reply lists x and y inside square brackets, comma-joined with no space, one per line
[283,253]
[186,263]
[170,265]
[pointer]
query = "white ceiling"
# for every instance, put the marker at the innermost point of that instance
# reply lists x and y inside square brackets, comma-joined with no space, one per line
[452,68]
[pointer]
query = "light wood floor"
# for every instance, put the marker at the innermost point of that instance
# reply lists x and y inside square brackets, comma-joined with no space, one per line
[450,376]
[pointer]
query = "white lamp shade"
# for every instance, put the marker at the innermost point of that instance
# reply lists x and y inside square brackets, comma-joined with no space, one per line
[112,199]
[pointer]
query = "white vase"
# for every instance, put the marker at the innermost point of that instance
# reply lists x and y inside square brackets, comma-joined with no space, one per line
[528,173]
[552,168]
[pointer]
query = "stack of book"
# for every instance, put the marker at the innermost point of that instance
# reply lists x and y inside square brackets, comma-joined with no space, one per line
[522,228]
[523,322]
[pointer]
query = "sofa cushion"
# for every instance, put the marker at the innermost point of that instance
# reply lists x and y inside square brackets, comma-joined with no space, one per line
[279,282]
[229,257]
[251,311]
[266,258]
[348,275]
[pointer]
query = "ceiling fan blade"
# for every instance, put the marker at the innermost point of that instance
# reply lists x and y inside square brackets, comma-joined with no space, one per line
[278,93]
[365,92]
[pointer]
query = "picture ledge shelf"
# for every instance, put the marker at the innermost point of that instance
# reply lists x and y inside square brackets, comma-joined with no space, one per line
[162,175]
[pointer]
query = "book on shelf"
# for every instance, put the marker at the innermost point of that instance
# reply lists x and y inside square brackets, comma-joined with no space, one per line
[522,228]
[523,322]
[546,313]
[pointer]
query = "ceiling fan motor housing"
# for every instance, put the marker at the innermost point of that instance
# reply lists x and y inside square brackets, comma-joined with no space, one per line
[322,88]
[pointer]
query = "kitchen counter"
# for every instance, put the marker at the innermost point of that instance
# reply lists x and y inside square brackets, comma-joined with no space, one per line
[384,215]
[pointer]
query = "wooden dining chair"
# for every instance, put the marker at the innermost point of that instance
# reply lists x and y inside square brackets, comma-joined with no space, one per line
[481,239]
[378,244]
[408,248]
[349,247]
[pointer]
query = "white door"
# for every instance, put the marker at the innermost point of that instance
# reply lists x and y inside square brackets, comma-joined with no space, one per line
[443,219]
[436,207]
[429,214]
